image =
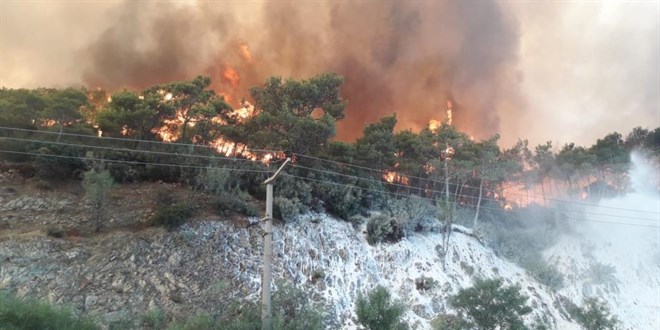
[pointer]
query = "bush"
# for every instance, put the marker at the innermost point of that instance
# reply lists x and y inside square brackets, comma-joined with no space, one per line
[97,185]
[378,312]
[170,214]
[449,322]
[544,273]
[594,315]
[287,209]
[154,319]
[229,203]
[59,162]
[55,231]
[490,305]
[214,181]
[413,214]
[342,201]
[291,310]
[523,242]
[602,274]
[18,313]
[378,228]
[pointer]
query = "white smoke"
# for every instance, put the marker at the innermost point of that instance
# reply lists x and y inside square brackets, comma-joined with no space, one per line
[624,233]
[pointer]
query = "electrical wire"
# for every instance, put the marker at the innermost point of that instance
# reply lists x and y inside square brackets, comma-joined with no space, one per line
[124,139]
[131,162]
[289,175]
[130,150]
[474,187]
[301,166]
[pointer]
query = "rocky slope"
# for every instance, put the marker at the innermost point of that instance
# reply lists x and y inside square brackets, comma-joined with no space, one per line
[128,268]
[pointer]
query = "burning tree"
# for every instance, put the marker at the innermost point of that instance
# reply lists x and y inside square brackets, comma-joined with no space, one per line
[298,116]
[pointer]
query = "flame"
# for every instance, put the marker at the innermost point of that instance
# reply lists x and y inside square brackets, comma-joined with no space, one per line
[231,76]
[394,177]
[245,52]
[449,114]
[434,124]
[245,112]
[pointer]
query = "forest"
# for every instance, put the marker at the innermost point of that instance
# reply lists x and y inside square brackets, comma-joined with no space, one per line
[392,180]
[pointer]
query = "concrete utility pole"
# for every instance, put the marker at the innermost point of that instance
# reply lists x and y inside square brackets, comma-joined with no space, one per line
[266,316]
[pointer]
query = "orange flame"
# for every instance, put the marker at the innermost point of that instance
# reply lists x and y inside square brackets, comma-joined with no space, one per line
[434,124]
[449,114]
[231,76]
[245,52]
[394,177]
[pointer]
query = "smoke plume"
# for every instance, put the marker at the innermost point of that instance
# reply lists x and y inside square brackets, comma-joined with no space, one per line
[403,57]
[566,71]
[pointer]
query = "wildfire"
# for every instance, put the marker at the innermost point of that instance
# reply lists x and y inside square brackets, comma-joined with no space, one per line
[244,50]
[245,112]
[449,114]
[434,124]
[394,177]
[231,76]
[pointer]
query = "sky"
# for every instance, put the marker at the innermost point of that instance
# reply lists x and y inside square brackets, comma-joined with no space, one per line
[566,71]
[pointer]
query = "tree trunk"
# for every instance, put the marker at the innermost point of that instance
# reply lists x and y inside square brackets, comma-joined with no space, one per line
[476,214]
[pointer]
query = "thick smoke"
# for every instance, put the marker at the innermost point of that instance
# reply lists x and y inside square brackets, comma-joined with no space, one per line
[403,57]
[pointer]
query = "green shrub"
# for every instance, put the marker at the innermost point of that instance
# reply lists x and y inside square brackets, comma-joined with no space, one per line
[228,203]
[291,310]
[413,214]
[378,227]
[544,273]
[154,319]
[58,162]
[97,185]
[522,241]
[490,305]
[55,231]
[340,200]
[602,274]
[449,322]
[424,283]
[378,312]
[595,315]
[467,268]
[287,209]
[18,314]
[172,216]
[214,180]
[197,322]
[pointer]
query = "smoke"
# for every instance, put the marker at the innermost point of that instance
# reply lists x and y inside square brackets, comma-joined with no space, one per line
[518,69]
[403,57]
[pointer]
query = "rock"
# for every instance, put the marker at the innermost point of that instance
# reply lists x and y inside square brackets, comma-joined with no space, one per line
[90,301]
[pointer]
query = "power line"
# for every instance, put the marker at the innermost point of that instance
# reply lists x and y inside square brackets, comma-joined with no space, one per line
[467,205]
[464,196]
[130,150]
[285,174]
[94,137]
[473,187]
[131,162]
[300,166]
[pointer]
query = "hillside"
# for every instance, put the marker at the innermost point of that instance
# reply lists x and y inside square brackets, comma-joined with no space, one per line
[128,268]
